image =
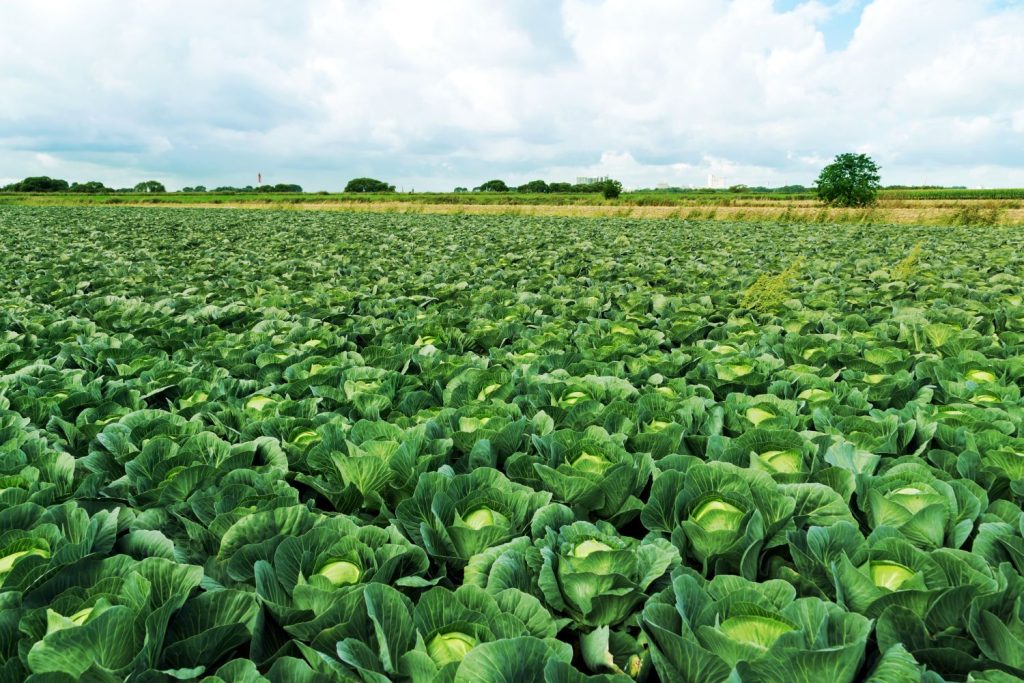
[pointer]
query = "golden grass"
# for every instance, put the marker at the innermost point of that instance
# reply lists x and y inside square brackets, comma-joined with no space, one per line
[908,266]
[903,211]
[770,290]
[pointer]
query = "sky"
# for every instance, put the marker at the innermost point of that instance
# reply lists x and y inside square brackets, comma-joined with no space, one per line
[434,95]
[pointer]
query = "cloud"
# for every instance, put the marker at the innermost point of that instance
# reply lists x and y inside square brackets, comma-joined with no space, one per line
[446,93]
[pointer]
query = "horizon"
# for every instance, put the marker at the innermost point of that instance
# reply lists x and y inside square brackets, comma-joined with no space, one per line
[753,92]
[187,189]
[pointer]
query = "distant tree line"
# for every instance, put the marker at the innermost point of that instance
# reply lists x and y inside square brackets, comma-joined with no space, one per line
[851,180]
[280,187]
[47,184]
[755,189]
[609,188]
[228,189]
[925,187]
[91,187]
[38,184]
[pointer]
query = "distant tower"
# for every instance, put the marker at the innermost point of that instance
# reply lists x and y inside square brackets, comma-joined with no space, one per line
[259,178]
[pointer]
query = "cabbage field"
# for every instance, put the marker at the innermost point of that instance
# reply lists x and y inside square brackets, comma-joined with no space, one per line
[300,446]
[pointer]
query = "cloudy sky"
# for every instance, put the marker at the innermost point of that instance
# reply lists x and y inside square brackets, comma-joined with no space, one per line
[430,95]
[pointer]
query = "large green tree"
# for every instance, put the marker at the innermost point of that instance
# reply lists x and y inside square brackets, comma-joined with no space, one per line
[368,185]
[492,186]
[38,184]
[611,189]
[90,187]
[150,186]
[850,180]
[534,186]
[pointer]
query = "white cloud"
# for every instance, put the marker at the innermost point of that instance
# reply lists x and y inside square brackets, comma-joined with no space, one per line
[455,91]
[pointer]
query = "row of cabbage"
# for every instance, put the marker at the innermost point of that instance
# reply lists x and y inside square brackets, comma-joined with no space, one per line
[257,446]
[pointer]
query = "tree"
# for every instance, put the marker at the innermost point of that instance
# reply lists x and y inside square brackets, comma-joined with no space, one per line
[90,187]
[492,186]
[560,187]
[460,190]
[534,186]
[280,187]
[150,186]
[850,180]
[611,189]
[368,185]
[38,184]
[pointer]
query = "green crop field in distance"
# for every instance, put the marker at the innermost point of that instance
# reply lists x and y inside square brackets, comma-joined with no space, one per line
[316,446]
[684,197]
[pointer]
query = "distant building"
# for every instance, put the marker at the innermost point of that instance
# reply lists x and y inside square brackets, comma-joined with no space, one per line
[663,186]
[587,180]
[717,182]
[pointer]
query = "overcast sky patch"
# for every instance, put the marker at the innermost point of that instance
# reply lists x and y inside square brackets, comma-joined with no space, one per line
[454,92]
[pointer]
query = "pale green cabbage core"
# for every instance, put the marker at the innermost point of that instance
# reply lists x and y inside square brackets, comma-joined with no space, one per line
[445,648]
[761,632]
[874,379]
[305,438]
[586,462]
[573,397]
[890,575]
[981,376]
[815,395]
[913,499]
[730,372]
[197,397]
[717,515]
[759,415]
[585,548]
[341,572]
[482,517]
[258,402]
[657,425]
[81,616]
[787,462]
[487,391]
[471,424]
